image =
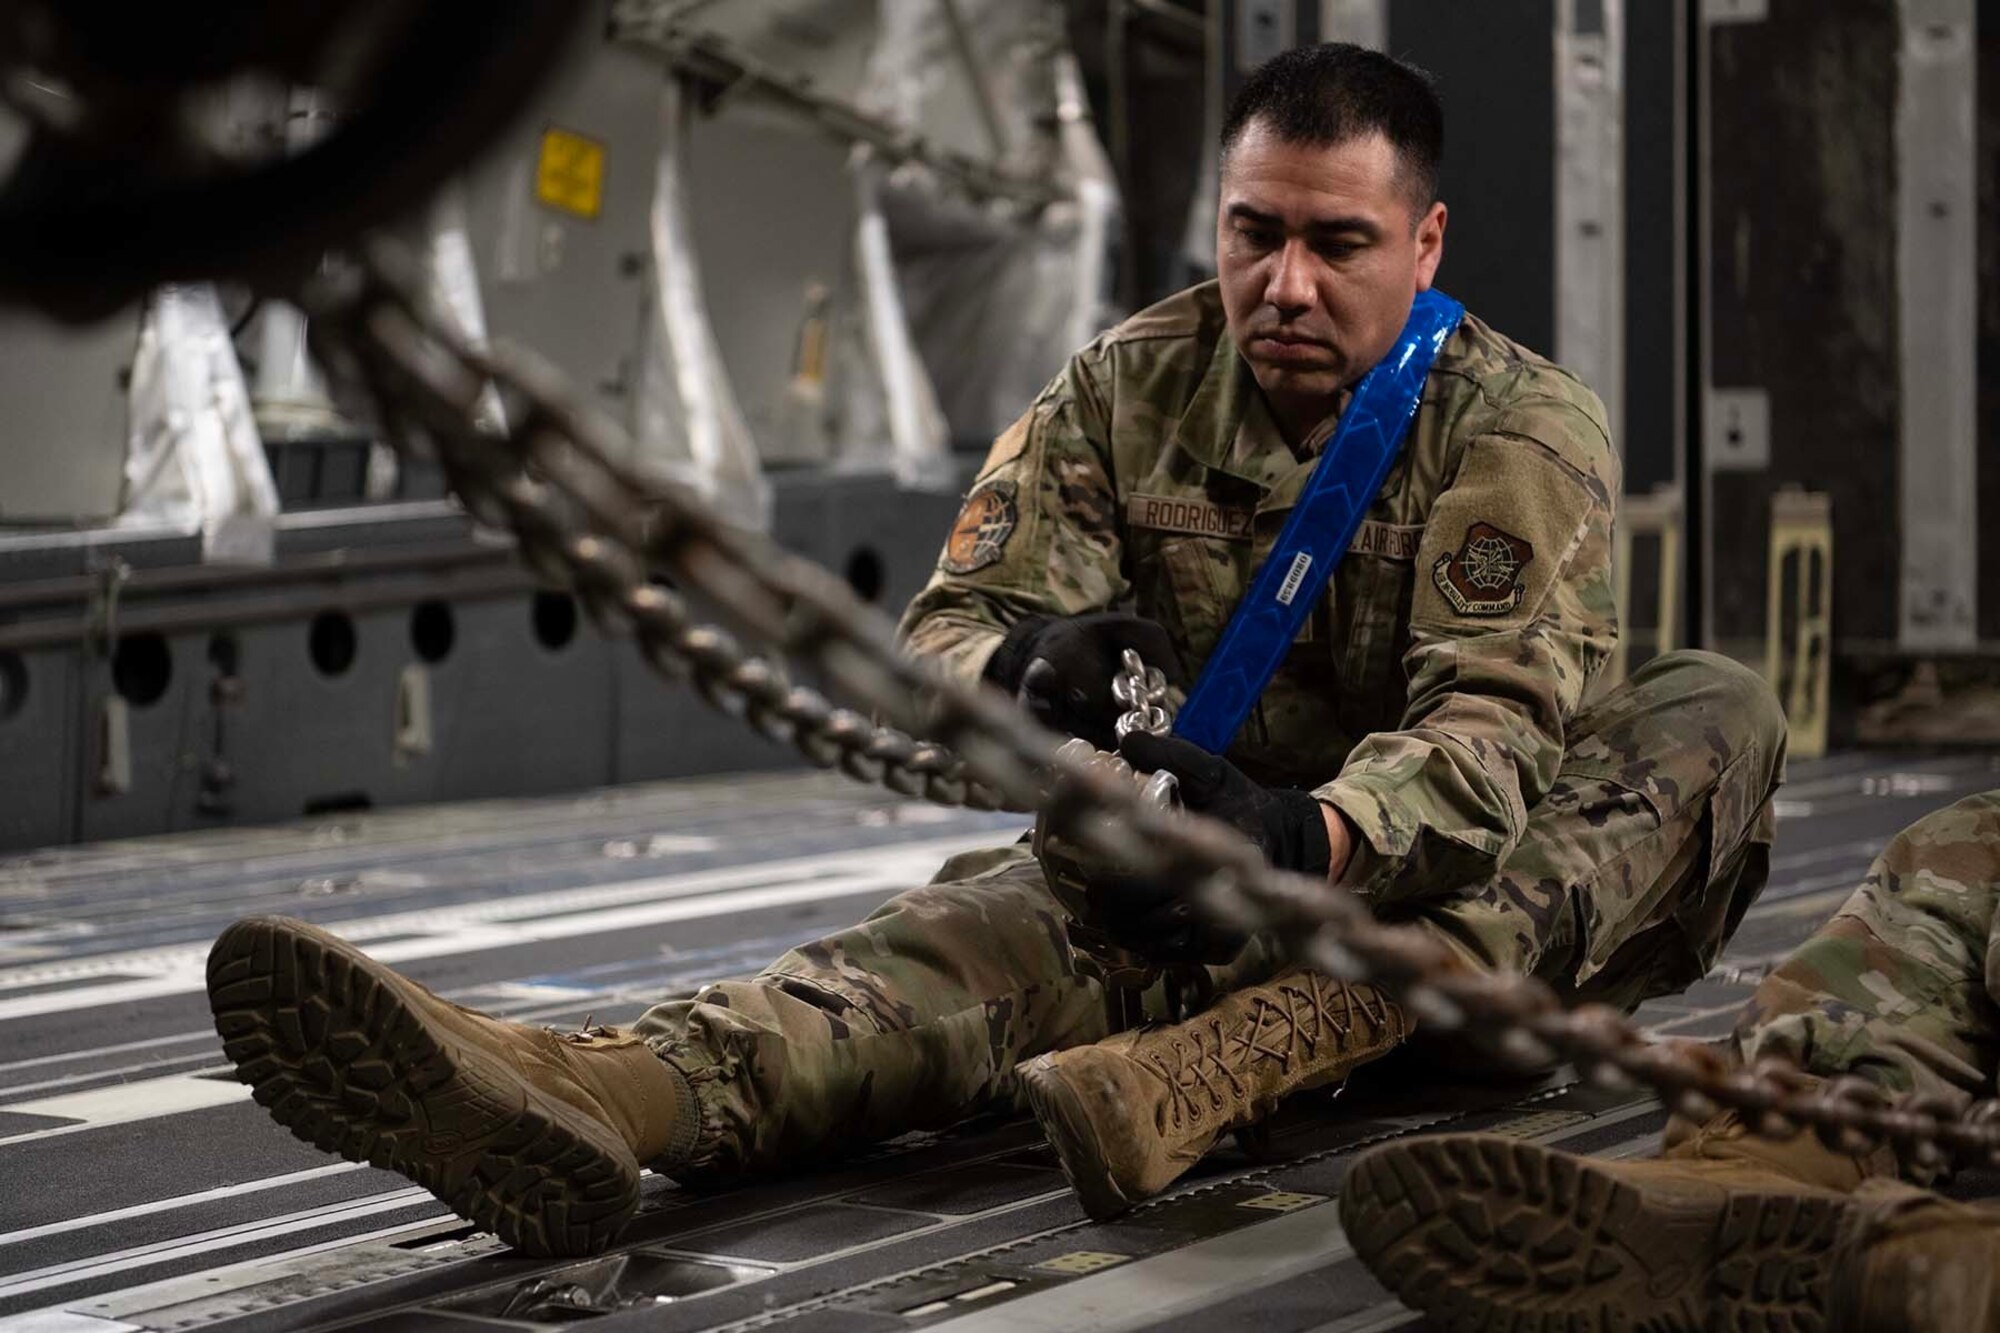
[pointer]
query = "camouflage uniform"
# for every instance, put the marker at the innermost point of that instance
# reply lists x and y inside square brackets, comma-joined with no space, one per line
[1901,986]
[1440,686]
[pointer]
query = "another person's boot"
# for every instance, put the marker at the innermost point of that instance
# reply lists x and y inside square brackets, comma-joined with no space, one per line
[1130,1114]
[1725,1230]
[535,1136]
[1912,1262]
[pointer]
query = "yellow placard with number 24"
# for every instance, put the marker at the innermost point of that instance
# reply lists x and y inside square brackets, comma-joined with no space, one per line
[569,173]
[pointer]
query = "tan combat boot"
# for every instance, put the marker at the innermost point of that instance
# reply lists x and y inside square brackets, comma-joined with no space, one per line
[535,1136]
[1129,1114]
[1912,1262]
[1725,1231]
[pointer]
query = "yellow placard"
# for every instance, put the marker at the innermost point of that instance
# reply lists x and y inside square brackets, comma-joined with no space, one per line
[1535,1124]
[569,174]
[1078,1262]
[1281,1201]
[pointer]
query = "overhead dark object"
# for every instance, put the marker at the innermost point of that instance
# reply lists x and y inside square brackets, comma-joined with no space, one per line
[118,189]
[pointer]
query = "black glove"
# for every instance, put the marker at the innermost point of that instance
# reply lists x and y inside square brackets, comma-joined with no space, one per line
[1153,919]
[1060,668]
[1286,823]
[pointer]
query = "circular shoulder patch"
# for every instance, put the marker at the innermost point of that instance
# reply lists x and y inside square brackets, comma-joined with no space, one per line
[984,525]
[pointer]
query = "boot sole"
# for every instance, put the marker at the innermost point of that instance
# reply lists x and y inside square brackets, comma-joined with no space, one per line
[339,1053]
[1069,1132]
[1484,1232]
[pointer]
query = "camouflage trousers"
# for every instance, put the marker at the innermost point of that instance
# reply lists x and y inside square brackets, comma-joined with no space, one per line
[1628,879]
[1902,986]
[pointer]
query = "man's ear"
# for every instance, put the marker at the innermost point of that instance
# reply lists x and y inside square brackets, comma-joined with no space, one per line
[1430,244]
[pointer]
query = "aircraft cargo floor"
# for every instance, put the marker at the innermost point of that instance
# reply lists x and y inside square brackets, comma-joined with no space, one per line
[140,1188]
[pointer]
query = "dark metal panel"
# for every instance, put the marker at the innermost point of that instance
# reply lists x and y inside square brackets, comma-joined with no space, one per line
[666,730]
[520,706]
[885,541]
[1495,68]
[37,746]
[1802,245]
[160,719]
[508,712]
[250,729]
[301,739]
[1653,213]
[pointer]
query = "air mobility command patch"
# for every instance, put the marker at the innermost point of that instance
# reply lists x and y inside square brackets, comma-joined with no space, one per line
[983,527]
[1483,576]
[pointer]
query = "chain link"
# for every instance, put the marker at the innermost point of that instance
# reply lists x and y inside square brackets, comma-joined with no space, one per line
[582,517]
[1142,690]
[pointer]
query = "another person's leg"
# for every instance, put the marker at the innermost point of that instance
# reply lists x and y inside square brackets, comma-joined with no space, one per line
[1898,988]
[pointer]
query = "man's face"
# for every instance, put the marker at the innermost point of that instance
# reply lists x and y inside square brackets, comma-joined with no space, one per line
[1320,251]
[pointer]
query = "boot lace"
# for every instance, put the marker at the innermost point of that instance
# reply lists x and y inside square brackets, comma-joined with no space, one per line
[1284,1023]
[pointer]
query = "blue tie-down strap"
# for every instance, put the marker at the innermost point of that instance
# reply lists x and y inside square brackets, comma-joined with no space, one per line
[1317,534]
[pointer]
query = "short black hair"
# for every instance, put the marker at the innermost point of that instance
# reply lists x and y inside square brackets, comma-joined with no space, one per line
[1336,92]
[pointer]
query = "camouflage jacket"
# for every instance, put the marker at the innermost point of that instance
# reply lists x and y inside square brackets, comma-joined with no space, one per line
[1428,696]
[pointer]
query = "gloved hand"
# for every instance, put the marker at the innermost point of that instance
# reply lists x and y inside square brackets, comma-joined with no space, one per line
[1060,668]
[1154,919]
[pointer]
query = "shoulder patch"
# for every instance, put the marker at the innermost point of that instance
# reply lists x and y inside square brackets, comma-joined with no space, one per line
[1483,576]
[984,526]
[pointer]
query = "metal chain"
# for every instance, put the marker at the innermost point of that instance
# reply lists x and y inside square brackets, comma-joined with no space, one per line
[581,516]
[1143,692]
